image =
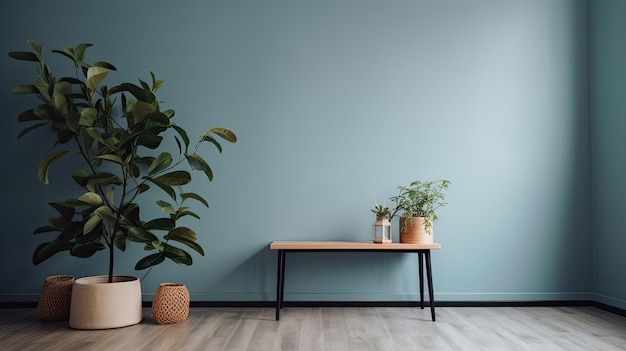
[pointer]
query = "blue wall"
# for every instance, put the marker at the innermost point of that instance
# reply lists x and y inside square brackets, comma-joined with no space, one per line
[334,101]
[608,120]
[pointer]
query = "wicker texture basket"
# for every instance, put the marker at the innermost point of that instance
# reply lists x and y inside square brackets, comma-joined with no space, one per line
[170,304]
[55,298]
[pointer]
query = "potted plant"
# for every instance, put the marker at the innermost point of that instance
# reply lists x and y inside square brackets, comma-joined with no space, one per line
[116,135]
[419,201]
[381,229]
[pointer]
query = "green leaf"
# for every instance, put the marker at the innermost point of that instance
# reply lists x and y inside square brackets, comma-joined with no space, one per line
[95,134]
[24,56]
[103,178]
[43,88]
[182,214]
[79,177]
[91,224]
[44,166]
[74,231]
[59,222]
[120,241]
[149,140]
[189,243]
[46,112]
[63,87]
[65,210]
[140,235]
[91,198]
[194,196]
[183,135]
[131,213]
[198,163]
[61,105]
[26,130]
[24,89]
[160,224]
[87,139]
[177,255]
[28,116]
[106,213]
[104,64]
[47,250]
[79,53]
[150,260]
[160,163]
[158,245]
[214,142]
[110,194]
[88,117]
[183,233]
[94,76]
[45,229]
[110,157]
[143,187]
[175,178]
[37,47]
[168,189]
[86,250]
[141,110]
[166,207]
[225,134]
[136,91]
[68,52]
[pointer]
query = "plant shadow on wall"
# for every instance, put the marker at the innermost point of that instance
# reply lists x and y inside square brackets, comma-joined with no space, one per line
[116,133]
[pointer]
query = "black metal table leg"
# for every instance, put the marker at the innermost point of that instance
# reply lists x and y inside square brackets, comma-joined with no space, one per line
[282,279]
[420,256]
[280,282]
[431,293]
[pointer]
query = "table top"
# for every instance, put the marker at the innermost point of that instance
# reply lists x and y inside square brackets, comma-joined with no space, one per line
[349,245]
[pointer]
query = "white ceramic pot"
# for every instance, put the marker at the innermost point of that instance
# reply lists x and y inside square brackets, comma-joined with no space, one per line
[97,304]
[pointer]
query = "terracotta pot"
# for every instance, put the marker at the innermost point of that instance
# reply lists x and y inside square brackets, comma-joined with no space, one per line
[97,304]
[415,232]
[170,304]
[54,301]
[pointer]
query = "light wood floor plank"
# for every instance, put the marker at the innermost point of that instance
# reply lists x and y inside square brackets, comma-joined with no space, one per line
[334,328]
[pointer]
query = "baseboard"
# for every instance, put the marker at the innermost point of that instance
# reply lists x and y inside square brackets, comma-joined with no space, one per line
[609,308]
[566,303]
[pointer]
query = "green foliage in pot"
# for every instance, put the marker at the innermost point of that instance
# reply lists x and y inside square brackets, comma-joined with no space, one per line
[116,134]
[421,199]
[383,211]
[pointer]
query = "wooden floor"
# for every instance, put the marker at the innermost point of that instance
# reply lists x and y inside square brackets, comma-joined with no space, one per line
[334,328]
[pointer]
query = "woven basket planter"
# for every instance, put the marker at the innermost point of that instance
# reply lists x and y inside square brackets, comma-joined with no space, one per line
[54,301]
[97,304]
[170,304]
[415,232]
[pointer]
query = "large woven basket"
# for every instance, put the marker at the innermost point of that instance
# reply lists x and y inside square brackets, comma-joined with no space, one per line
[55,298]
[170,304]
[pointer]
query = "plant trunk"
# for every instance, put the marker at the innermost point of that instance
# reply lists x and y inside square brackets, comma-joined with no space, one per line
[111,252]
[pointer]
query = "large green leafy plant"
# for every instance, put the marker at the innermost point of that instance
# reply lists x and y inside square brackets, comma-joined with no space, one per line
[116,133]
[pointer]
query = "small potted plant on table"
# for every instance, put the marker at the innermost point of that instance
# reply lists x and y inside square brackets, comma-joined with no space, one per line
[381,229]
[418,202]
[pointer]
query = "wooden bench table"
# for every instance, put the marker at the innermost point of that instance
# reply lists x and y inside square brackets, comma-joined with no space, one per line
[423,251]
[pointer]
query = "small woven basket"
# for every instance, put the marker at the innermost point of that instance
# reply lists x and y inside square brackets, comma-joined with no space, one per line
[55,298]
[170,304]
